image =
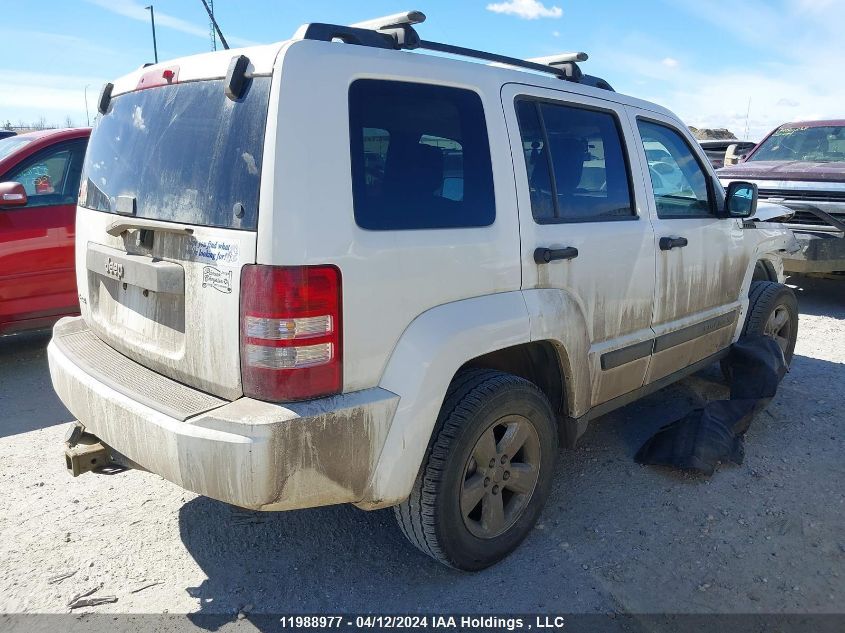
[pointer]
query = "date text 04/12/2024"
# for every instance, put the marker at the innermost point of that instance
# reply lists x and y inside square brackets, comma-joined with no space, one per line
[502,623]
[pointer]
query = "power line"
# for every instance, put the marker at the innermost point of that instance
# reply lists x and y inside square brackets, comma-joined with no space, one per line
[216,26]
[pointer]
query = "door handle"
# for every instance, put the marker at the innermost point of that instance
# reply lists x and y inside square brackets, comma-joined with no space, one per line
[546,255]
[668,243]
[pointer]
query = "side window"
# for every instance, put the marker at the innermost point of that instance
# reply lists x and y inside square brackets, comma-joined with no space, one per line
[577,170]
[420,157]
[51,177]
[677,178]
[536,161]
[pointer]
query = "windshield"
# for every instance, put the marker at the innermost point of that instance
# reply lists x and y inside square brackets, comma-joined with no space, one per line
[11,144]
[185,153]
[809,144]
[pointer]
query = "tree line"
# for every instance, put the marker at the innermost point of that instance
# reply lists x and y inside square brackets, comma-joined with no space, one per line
[40,123]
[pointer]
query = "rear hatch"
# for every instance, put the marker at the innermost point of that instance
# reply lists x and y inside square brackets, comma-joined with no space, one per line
[167,217]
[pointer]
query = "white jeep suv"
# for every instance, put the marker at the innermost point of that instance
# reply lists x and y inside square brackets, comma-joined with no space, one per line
[328,271]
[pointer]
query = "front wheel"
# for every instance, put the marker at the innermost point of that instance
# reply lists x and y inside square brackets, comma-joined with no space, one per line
[772,312]
[487,474]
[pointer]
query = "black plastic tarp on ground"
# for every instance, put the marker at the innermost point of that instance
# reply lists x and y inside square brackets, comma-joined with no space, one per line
[714,433]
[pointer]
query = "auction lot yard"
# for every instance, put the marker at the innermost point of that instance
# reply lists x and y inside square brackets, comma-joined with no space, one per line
[767,536]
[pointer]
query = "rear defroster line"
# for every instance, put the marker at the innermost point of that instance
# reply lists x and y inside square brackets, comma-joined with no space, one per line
[715,433]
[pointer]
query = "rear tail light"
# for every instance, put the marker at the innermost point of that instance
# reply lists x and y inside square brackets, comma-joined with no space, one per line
[291,332]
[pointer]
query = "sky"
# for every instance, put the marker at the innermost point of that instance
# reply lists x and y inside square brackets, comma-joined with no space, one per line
[710,61]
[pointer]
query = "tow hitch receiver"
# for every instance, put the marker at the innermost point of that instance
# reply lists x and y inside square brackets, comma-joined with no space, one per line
[85,452]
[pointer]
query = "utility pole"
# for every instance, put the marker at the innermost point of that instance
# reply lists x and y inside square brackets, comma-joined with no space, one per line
[153,22]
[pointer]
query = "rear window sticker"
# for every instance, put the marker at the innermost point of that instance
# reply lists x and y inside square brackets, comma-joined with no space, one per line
[212,251]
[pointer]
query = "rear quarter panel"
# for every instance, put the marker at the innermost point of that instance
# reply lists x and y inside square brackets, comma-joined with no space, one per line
[389,277]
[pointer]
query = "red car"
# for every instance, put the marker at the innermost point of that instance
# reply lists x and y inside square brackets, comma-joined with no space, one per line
[39,183]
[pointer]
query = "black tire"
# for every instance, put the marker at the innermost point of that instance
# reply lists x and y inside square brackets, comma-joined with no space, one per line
[761,273]
[478,404]
[764,299]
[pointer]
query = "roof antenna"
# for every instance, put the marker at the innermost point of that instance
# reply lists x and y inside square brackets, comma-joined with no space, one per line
[747,112]
[216,27]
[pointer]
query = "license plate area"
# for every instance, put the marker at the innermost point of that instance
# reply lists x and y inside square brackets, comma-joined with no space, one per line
[138,300]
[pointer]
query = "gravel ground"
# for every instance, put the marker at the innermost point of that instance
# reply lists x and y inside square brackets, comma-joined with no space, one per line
[767,536]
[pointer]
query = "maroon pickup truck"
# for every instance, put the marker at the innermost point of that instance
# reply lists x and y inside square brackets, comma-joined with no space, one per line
[802,166]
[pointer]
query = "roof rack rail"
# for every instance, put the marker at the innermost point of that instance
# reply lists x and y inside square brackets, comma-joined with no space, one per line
[561,58]
[393,21]
[567,62]
[397,32]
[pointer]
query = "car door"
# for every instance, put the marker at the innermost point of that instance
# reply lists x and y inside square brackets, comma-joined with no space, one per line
[580,207]
[37,278]
[700,260]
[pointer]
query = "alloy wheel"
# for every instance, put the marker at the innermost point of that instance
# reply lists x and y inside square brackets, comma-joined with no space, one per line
[500,476]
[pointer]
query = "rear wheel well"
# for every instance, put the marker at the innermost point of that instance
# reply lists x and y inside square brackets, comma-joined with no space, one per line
[537,362]
[764,271]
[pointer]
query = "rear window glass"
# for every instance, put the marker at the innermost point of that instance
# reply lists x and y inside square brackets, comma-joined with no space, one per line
[185,152]
[420,157]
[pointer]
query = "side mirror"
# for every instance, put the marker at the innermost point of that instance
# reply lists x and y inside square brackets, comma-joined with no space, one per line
[12,194]
[741,200]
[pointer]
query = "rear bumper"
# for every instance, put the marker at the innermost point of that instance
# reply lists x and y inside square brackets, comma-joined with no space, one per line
[821,252]
[246,452]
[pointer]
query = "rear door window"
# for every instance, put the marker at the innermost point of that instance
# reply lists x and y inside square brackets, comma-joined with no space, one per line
[420,157]
[577,167]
